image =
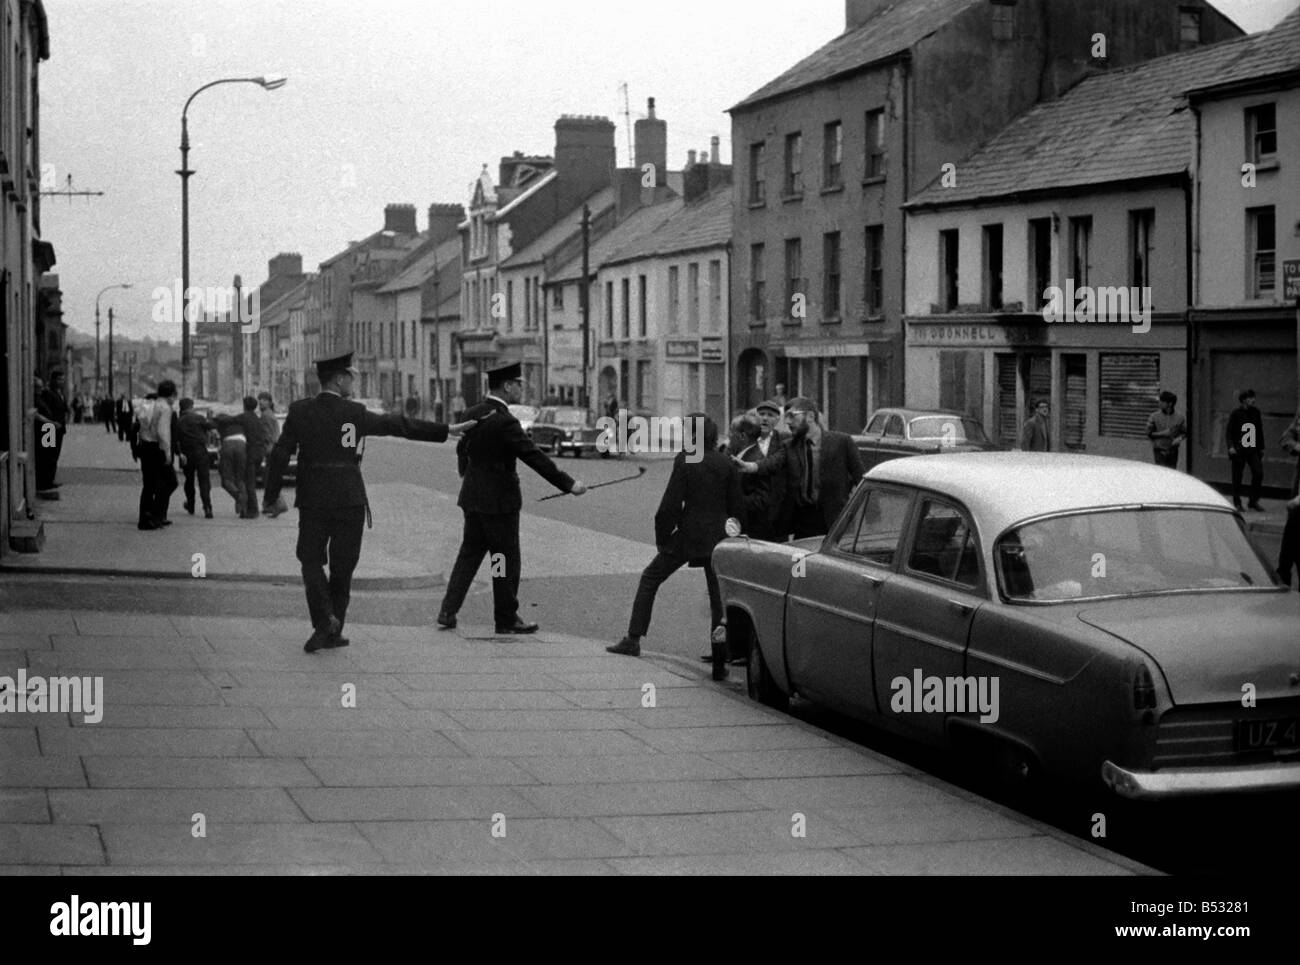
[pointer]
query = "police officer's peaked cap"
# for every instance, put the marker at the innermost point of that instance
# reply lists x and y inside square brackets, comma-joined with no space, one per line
[505,373]
[769,405]
[327,367]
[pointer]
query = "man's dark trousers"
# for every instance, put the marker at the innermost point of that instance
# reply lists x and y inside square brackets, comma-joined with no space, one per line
[153,466]
[661,567]
[488,533]
[1166,457]
[333,537]
[196,464]
[1244,458]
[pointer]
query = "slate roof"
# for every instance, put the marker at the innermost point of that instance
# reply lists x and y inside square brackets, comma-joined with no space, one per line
[1123,125]
[554,236]
[641,222]
[890,32]
[419,270]
[702,224]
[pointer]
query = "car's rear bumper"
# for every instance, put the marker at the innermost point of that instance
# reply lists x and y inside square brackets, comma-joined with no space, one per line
[572,445]
[1188,781]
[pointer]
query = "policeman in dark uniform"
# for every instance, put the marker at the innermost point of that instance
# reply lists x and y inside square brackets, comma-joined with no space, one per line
[331,496]
[491,501]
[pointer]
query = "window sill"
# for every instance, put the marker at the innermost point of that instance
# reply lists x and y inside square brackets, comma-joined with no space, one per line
[758,323]
[833,189]
[757,204]
[791,198]
[1270,163]
[874,318]
[833,320]
[875,179]
[791,322]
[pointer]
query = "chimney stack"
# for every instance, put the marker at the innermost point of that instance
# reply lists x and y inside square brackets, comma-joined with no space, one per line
[444,221]
[690,159]
[584,158]
[400,218]
[286,263]
[858,12]
[715,143]
[651,144]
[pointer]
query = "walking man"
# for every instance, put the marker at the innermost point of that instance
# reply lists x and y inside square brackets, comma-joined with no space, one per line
[124,415]
[232,461]
[491,500]
[331,495]
[1166,430]
[255,452]
[1245,438]
[691,521]
[192,442]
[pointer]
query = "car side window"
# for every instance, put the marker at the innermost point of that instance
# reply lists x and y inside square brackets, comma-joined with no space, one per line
[945,545]
[878,527]
[877,425]
[546,415]
[894,427]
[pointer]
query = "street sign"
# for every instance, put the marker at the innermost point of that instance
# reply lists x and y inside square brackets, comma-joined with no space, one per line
[1291,278]
[199,350]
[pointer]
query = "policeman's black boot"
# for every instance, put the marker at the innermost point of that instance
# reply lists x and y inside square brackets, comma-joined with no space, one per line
[719,644]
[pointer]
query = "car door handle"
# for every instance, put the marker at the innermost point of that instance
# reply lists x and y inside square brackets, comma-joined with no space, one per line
[961,607]
[873,579]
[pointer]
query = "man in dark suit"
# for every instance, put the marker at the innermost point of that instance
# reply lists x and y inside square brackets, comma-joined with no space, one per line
[765,494]
[331,495]
[1245,438]
[491,500]
[691,521]
[191,439]
[820,469]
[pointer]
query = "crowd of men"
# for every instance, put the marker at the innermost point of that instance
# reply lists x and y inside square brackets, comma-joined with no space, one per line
[164,435]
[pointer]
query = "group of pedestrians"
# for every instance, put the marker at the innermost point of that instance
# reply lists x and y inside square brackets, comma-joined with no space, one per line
[164,434]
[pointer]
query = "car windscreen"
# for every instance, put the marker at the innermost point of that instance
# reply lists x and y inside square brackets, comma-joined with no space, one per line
[946,428]
[570,417]
[1127,552]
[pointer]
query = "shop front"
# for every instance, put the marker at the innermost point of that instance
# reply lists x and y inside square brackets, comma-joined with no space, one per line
[1102,380]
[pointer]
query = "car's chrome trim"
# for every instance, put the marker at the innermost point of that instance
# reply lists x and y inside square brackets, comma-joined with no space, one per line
[1185,781]
[1020,668]
[914,634]
[753,586]
[837,611]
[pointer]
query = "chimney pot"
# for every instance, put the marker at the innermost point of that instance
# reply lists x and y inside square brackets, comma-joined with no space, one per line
[651,105]
[690,159]
[715,143]
[704,157]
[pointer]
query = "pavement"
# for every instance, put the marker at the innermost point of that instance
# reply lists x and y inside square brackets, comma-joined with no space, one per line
[223,748]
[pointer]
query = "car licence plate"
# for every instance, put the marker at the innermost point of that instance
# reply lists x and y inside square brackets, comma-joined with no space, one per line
[1256,734]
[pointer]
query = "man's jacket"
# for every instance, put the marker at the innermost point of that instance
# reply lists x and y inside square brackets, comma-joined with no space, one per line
[693,513]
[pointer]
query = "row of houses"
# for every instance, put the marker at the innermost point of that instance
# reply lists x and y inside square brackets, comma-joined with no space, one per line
[904,201]
[31,326]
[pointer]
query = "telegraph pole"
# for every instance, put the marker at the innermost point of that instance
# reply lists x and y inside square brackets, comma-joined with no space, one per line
[110,353]
[585,297]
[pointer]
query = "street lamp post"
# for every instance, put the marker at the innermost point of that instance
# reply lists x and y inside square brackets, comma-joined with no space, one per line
[110,353]
[110,335]
[269,82]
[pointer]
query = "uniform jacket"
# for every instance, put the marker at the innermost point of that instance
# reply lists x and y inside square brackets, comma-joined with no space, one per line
[486,457]
[692,516]
[329,473]
[52,406]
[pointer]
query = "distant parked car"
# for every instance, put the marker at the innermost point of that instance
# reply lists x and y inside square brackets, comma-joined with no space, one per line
[527,415]
[1097,621]
[561,429]
[892,433]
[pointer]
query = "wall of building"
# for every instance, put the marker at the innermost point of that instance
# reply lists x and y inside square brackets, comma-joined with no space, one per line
[1110,255]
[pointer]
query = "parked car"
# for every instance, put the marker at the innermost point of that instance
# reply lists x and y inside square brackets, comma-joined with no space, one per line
[891,433]
[1127,630]
[561,429]
[527,415]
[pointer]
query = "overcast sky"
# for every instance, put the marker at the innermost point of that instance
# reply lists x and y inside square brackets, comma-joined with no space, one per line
[387,101]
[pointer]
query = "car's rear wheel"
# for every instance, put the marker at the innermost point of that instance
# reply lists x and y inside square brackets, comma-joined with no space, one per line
[759,680]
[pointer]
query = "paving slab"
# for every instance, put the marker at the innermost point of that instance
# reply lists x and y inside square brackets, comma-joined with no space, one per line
[453,737]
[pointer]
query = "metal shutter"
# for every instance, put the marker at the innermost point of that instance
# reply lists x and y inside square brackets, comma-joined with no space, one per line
[1130,386]
[1074,416]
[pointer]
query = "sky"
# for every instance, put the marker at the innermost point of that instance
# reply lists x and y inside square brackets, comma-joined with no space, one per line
[387,101]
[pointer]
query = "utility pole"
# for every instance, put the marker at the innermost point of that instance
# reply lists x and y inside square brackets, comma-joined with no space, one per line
[110,354]
[585,299]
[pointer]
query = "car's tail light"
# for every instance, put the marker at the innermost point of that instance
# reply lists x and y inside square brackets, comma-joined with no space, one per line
[1144,689]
